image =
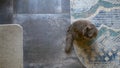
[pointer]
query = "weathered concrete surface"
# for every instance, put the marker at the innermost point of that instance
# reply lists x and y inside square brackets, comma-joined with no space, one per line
[41,6]
[44,25]
[44,41]
[11,49]
[6,10]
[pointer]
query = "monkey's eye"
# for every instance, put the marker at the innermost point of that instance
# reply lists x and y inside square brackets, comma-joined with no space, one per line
[89,34]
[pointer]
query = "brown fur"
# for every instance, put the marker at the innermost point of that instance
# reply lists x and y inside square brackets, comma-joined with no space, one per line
[82,31]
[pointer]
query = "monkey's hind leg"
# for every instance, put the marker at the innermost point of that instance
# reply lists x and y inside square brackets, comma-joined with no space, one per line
[69,43]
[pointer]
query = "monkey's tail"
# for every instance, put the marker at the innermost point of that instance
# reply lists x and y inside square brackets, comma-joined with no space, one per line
[69,40]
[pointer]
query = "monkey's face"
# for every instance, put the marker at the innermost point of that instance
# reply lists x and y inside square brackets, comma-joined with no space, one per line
[90,32]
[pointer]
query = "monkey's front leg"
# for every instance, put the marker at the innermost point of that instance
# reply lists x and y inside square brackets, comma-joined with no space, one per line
[69,43]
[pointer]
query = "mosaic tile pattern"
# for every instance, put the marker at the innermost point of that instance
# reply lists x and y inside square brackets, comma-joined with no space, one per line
[109,18]
[84,9]
[105,50]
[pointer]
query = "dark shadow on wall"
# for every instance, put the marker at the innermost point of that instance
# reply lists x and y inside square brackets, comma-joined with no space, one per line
[6,11]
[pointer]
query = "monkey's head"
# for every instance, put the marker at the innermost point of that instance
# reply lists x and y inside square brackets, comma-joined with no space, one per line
[85,29]
[90,31]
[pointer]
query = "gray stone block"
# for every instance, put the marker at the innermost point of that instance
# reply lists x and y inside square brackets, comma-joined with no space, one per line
[6,10]
[6,18]
[41,6]
[65,6]
[6,6]
[11,49]
[44,41]
[43,36]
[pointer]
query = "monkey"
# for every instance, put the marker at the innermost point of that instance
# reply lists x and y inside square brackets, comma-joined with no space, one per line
[80,30]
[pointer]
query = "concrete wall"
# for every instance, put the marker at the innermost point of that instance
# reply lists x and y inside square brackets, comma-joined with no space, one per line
[44,25]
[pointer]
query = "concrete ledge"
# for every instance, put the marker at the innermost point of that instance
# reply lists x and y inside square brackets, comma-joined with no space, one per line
[11,46]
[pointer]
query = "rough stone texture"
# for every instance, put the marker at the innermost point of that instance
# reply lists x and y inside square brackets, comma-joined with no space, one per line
[41,6]
[44,25]
[11,46]
[44,41]
[6,10]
